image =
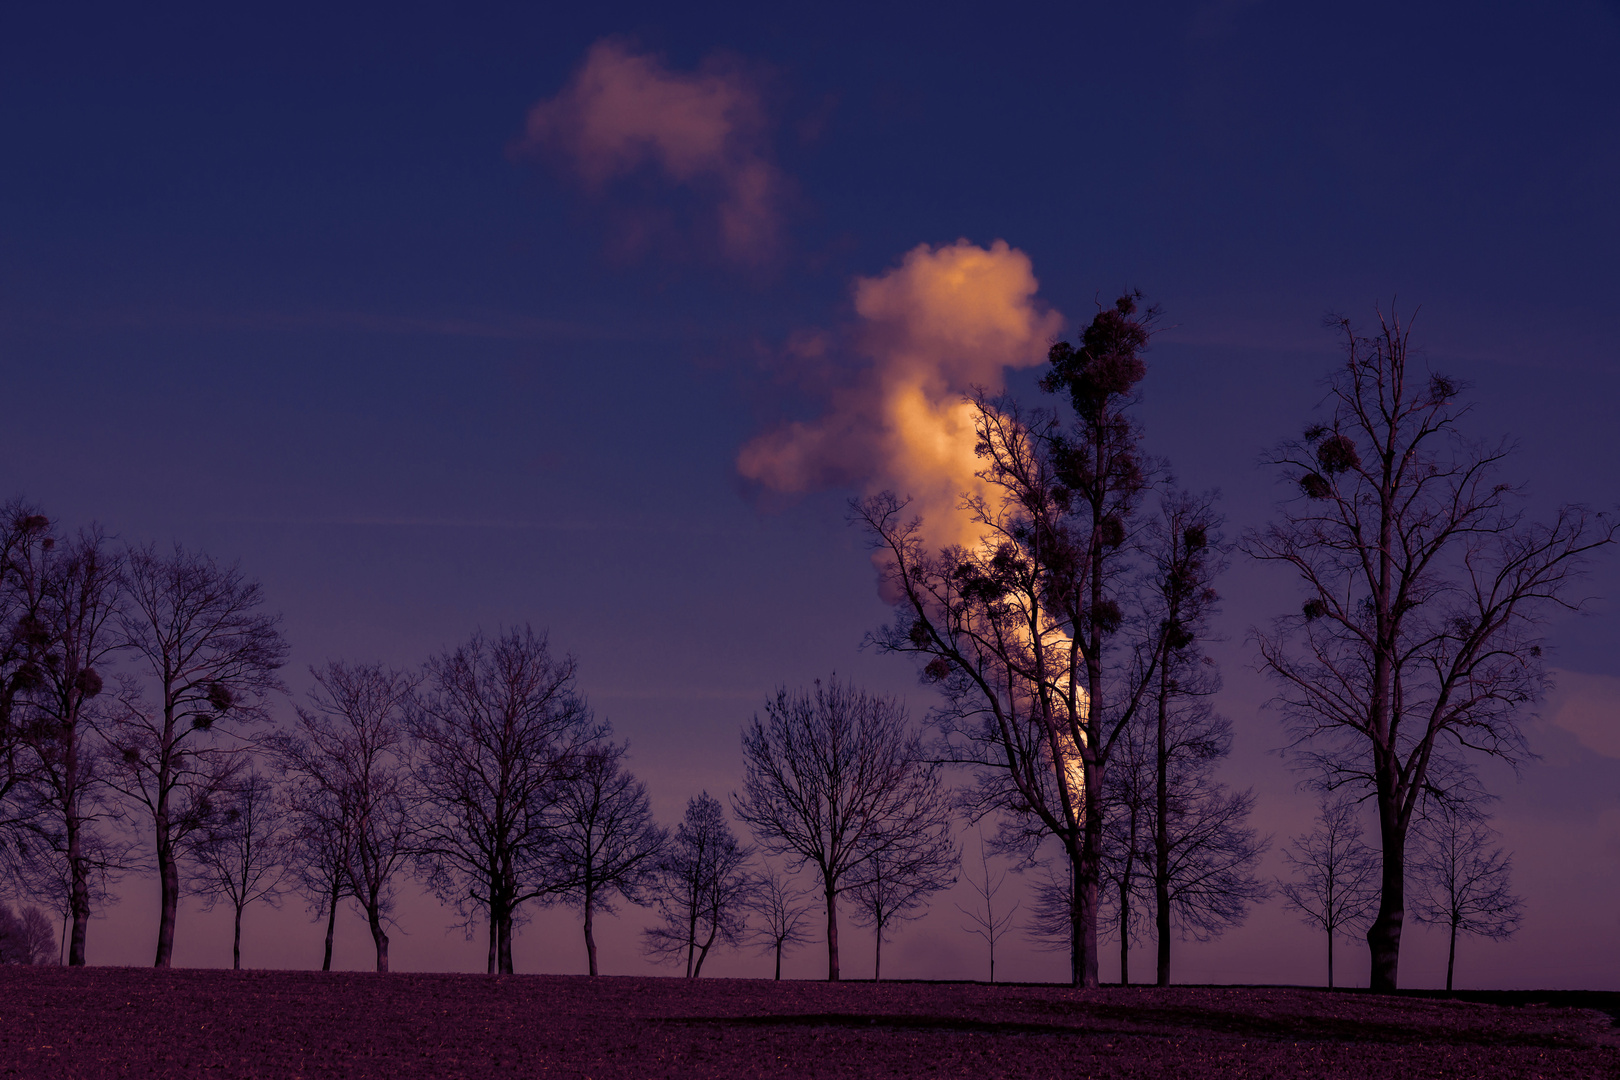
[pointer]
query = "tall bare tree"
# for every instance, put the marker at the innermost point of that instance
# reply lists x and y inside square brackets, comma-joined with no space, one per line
[1036,635]
[1425,586]
[352,792]
[1460,880]
[1335,885]
[781,909]
[498,729]
[206,660]
[605,843]
[702,887]
[1203,855]
[837,778]
[25,534]
[70,642]
[240,855]
[987,923]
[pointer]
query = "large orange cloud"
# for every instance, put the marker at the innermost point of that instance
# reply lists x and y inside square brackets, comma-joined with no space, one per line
[705,130]
[946,320]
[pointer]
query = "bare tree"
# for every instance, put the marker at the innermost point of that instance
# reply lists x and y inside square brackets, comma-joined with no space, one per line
[1036,636]
[1051,910]
[500,727]
[72,594]
[1336,875]
[781,910]
[1203,855]
[352,791]
[26,936]
[319,836]
[25,536]
[239,856]
[702,888]
[605,842]
[987,923]
[1425,586]
[896,882]
[837,778]
[1460,881]
[1127,854]
[207,656]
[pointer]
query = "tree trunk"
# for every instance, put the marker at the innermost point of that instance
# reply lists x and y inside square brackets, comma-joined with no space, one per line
[1161,837]
[779,960]
[379,936]
[832,935]
[506,943]
[236,942]
[1330,959]
[590,939]
[78,886]
[877,956]
[1090,872]
[1124,930]
[169,884]
[494,939]
[1384,935]
[704,951]
[1451,957]
[1077,918]
[331,927]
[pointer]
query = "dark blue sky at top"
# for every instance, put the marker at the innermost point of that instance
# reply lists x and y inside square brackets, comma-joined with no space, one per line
[275,283]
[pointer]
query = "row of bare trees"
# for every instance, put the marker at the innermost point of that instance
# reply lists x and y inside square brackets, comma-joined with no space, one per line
[1460,879]
[131,680]
[1066,641]
[136,736]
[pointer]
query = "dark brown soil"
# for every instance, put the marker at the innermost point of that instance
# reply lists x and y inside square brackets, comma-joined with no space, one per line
[113,1022]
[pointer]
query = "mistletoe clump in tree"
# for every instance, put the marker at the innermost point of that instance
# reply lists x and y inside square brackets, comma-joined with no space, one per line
[1417,643]
[1041,637]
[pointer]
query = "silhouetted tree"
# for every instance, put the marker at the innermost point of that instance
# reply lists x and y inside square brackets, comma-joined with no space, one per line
[701,886]
[73,596]
[1127,854]
[837,778]
[319,835]
[896,882]
[1202,855]
[1424,588]
[351,792]
[987,923]
[1035,636]
[1336,876]
[1460,881]
[25,535]
[781,910]
[239,855]
[605,842]
[26,936]
[498,729]
[206,661]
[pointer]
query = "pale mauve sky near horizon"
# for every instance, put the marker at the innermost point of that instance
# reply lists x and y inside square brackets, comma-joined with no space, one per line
[314,290]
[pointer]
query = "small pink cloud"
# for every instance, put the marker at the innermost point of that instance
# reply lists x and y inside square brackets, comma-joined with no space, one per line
[704,130]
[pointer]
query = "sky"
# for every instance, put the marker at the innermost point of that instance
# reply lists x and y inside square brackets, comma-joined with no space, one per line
[437,319]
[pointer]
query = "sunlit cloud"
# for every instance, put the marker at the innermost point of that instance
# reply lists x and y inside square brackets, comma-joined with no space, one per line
[705,130]
[946,320]
[1588,707]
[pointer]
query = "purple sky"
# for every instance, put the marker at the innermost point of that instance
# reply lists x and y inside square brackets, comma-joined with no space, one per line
[328,294]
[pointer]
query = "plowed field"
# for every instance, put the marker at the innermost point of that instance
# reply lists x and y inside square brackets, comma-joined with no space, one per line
[115,1022]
